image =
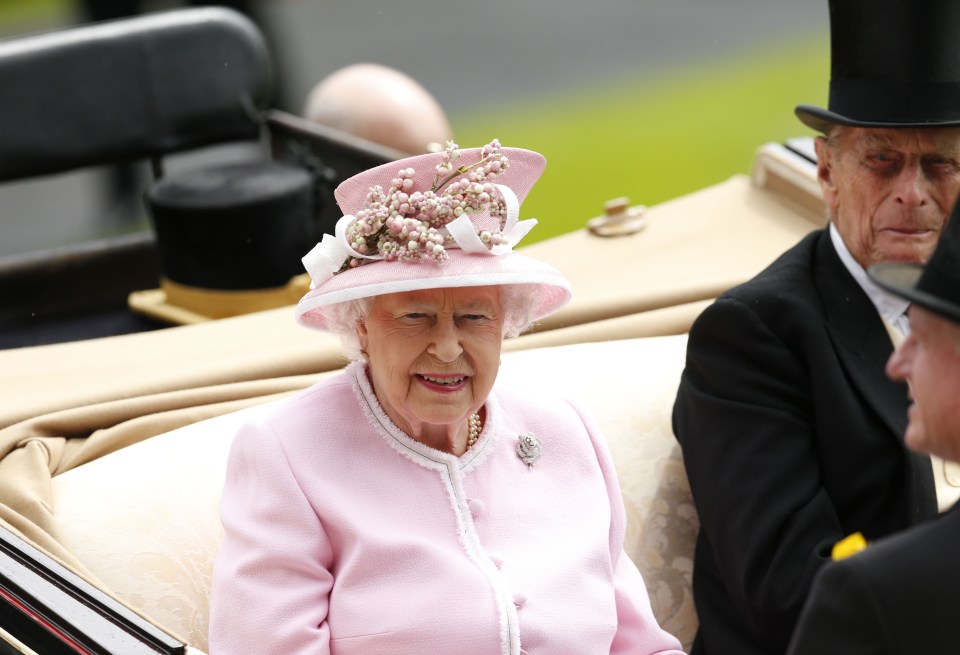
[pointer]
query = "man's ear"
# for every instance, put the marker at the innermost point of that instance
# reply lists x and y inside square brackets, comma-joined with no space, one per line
[825,171]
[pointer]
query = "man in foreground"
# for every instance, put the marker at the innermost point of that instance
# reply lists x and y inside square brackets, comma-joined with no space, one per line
[899,596]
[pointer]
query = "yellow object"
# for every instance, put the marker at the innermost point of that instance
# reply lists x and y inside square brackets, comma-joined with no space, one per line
[849,545]
[181,304]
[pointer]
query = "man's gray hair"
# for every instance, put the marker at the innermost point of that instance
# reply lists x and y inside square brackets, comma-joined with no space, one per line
[833,136]
[518,302]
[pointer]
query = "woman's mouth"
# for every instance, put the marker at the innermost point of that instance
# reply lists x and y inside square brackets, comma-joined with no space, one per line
[443,382]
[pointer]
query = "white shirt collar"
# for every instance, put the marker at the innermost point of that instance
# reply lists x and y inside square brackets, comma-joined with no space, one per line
[889,306]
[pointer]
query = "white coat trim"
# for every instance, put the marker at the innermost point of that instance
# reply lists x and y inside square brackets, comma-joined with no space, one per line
[451,470]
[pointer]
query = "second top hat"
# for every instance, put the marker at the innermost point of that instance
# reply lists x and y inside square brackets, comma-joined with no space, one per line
[230,240]
[893,63]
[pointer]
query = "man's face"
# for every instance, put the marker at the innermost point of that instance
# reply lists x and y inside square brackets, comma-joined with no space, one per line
[890,191]
[929,360]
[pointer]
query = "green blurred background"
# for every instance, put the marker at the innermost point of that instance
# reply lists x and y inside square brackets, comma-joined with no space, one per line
[655,140]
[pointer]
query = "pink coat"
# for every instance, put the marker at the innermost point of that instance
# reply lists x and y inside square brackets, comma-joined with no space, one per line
[343,535]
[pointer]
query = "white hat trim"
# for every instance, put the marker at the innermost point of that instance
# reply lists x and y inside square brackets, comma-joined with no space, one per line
[550,277]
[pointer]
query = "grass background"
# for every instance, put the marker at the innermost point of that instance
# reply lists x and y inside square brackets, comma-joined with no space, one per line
[655,139]
[17,11]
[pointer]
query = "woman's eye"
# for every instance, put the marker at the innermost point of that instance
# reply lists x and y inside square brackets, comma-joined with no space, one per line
[414,315]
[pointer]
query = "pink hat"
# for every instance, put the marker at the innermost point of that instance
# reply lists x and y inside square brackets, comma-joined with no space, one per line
[441,220]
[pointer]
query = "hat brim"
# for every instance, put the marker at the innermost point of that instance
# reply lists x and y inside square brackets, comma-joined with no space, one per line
[460,270]
[901,279]
[822,120]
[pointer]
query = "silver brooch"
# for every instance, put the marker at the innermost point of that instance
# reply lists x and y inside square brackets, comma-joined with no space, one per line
[528,448]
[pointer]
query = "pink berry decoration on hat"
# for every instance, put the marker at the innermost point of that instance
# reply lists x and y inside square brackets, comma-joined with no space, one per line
[406,223]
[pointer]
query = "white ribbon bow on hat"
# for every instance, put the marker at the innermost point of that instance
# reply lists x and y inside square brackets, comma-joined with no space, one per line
[463,232]
[328,256]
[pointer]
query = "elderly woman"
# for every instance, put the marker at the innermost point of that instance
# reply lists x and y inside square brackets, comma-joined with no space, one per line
[409,505]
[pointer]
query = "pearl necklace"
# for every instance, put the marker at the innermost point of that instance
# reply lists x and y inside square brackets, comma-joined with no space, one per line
[473,429]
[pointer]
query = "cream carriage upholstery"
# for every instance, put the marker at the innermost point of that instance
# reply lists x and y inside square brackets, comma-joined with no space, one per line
[144,518]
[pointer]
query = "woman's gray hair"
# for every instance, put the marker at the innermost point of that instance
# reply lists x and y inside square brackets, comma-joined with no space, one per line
[342,319]
[518,302]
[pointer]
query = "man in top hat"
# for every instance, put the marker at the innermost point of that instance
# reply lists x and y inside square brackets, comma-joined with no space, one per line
[791,432]
[899,596]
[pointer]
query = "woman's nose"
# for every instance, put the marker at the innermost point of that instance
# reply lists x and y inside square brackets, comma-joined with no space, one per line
[445,344]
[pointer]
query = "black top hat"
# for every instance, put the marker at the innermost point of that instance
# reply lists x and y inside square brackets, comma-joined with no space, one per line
[894,63]
[936,286]
[230,240]
[240,226]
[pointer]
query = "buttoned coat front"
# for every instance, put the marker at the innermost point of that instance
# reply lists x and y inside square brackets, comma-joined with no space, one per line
[344,535]
[792,438]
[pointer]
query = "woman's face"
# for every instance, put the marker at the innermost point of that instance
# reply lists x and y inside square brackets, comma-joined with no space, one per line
[433,355]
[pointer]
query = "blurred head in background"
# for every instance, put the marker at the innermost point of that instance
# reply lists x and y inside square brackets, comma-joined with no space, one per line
[381,105]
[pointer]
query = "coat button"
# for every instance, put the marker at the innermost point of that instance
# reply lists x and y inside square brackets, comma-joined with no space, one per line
[476,507]
[519,599]
[497,560]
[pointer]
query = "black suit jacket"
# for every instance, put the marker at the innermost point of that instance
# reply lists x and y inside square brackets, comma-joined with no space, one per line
[792,439]
[899,597]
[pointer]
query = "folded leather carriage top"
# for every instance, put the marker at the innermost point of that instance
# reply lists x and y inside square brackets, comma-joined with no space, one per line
[130,89]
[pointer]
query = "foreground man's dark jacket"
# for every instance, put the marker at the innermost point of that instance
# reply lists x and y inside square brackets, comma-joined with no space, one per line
[896,598]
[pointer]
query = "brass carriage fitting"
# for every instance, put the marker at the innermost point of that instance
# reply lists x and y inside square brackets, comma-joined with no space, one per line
[619,219]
